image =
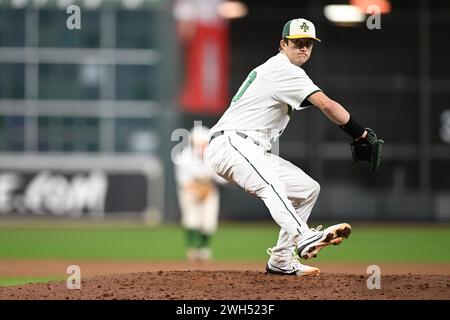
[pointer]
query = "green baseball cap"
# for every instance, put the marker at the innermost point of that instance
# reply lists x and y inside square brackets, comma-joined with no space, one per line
[299,28]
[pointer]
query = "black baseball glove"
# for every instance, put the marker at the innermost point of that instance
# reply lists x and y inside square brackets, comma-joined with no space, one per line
[368,149]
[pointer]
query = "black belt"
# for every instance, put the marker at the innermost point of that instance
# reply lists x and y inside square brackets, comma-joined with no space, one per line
[243,135]
[219,133]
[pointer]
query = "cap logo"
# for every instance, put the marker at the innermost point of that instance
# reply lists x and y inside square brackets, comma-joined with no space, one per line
[304,27]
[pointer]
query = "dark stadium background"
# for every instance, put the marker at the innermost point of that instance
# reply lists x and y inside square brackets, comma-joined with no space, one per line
[60,104]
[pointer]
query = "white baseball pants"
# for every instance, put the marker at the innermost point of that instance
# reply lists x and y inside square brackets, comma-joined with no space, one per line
[287,191]
[202,216]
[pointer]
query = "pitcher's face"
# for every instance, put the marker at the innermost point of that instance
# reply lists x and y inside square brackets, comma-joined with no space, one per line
[297,50]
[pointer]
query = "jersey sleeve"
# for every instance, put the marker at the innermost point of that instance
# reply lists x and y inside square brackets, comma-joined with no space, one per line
[293,86]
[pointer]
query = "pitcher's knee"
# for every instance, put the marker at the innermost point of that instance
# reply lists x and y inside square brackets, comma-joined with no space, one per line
[315,188]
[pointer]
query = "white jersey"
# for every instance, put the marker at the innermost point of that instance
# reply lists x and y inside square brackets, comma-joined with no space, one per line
[262,106]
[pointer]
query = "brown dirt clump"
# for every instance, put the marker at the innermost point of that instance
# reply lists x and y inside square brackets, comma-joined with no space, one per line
[235,285]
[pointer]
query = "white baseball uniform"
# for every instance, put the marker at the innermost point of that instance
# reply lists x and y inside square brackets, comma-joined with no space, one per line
[242,139]
[196,215]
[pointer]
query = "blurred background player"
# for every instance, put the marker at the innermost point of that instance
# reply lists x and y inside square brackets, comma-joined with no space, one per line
[198,195]
[204,45]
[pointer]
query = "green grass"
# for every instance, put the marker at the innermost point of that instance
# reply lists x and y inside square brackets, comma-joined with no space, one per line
[413,244]
[366,244]
[233,242]
[98,244]
[5,282]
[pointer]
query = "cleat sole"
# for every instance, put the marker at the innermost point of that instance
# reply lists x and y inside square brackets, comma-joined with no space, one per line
[334,237]
[344,233]
[312,271]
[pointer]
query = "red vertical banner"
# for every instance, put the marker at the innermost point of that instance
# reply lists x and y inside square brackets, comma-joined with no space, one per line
[205,38]
[205,86]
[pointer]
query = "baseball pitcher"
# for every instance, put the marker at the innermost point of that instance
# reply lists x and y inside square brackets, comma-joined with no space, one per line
[241,141]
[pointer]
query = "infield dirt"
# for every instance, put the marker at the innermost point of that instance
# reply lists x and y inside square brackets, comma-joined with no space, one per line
[177,281]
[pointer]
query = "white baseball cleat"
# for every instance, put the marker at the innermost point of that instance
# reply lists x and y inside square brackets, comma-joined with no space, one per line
[293,268]
[192,254]
[298,270]
[199,254]
[313,242]
[204,254]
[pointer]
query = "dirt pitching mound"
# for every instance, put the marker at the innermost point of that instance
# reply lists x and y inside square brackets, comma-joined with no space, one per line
[233,285]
